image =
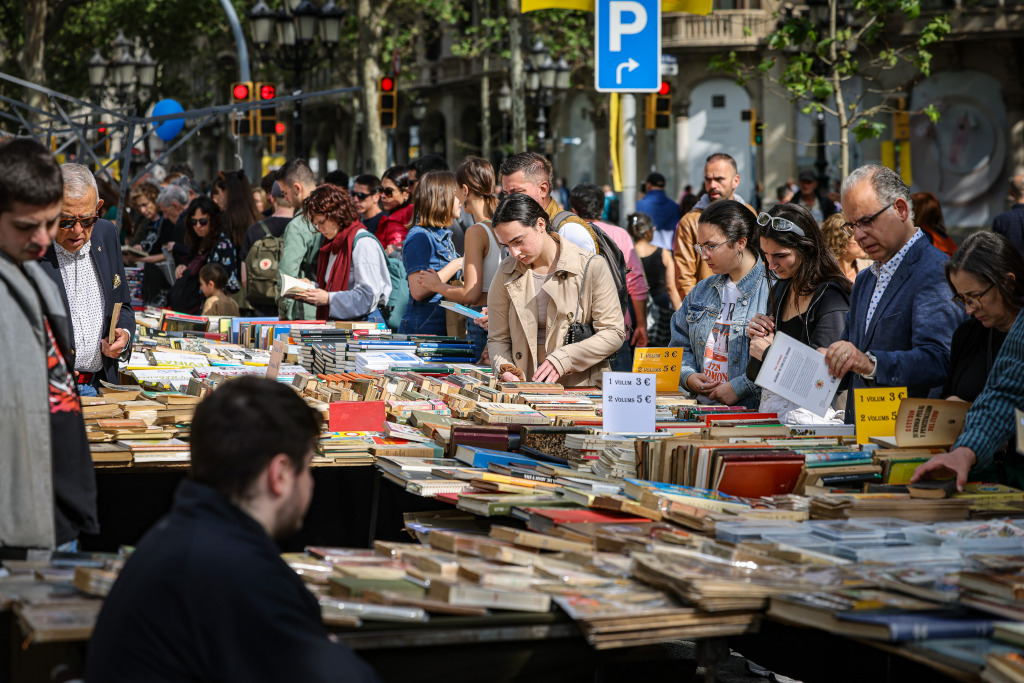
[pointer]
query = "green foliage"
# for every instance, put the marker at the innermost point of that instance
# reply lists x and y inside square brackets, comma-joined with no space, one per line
[866,129]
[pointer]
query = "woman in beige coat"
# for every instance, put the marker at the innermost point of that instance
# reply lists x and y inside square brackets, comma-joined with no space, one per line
[535,296]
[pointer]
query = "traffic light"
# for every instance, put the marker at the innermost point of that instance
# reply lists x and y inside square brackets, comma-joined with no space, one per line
[102,146]
[275,143]
[266,118]
[242,123]
[659,108]
[758,132]
[387,102]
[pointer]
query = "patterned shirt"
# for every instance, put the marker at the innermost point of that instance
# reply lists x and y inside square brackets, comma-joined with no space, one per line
[883,272]
[85,299]
[990,421]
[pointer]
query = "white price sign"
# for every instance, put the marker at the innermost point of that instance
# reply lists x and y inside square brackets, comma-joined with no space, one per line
[629,402]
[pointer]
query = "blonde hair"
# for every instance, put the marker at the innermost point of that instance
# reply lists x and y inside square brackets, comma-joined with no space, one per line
[434,199]
[477,174]
[835,237]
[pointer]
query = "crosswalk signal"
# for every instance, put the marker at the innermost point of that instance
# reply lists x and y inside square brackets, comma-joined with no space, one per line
[659,108]
[242,123]
[387,102]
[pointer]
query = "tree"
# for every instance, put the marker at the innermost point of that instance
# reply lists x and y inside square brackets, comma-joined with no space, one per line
[818,57]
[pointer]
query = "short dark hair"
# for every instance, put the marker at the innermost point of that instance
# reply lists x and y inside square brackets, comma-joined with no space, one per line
[656,180]
[215,273]
[989,256]
[337,178]
[587,200]
[722,156]
[182,167]
[28,174]
[735,221]
[297,171]
[534,166]
[399,175]
[239,428]
[369,180]
[427,163]
[267,181]
[520,208]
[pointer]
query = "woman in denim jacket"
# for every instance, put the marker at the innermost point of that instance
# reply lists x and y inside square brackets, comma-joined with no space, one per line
[719,308]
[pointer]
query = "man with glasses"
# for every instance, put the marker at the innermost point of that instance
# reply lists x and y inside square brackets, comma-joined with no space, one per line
[901,320]
[366,192]
[47,486]
[85,262]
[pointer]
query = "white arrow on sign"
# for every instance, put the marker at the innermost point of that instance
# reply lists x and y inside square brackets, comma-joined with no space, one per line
[630,65]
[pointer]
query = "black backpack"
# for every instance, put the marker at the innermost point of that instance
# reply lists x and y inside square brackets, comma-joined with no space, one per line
[613,256]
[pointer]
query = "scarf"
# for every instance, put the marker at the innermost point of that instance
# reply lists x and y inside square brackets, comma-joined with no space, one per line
[341,245]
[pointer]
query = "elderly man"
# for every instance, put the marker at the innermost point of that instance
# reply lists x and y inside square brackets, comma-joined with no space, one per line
[172,202]
[529,173]
[85,262]
[47,486]
[901,318]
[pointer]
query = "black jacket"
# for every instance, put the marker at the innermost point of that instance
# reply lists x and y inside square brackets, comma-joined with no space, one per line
[207,597]
[106,254]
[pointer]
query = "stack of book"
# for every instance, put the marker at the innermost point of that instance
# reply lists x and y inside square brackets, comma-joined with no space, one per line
[829,470]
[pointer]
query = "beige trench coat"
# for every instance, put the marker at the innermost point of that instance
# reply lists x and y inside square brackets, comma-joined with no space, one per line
[512,321]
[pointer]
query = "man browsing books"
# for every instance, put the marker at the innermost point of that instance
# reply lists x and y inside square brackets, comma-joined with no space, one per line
[206,596]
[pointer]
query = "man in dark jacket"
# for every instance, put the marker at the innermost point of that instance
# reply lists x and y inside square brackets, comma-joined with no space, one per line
[85,262]
[206,596]
[814,198]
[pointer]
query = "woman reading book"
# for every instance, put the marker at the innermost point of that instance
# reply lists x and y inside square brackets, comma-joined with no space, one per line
[710,324]
[553,310]
[809,301]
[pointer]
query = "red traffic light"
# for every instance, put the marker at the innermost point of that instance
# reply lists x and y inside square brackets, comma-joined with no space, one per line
[665,88]
[240,92]
[279,128]
[101,130]
[387,84]
[267,92]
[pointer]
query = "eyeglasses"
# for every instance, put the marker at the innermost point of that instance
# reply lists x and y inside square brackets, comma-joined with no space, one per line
[864,223]
[705,251]
[200,221]
[972,300]
[778,224]
[361,196]
[68,222]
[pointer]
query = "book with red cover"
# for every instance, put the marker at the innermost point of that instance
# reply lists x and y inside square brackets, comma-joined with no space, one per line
[356,416]
[756,478]
[769,418]
[542,519]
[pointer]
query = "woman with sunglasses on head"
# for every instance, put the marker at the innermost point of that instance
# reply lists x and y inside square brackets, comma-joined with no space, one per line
[396,200]
[474,179]
[546,288]
[986,276]
[710,324]
[809,301]
[429,246]
[660,272]
[206,242]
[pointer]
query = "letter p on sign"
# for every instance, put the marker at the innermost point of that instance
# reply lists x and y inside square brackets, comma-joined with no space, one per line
[617,27]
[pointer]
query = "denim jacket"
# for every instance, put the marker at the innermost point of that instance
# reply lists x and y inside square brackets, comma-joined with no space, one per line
[692,324]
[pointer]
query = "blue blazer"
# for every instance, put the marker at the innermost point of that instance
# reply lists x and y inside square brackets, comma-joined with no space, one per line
[912,327]
[106,254]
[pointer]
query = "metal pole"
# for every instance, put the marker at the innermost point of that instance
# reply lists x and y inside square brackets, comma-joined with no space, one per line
[628,199]
[821,163]
[251,144]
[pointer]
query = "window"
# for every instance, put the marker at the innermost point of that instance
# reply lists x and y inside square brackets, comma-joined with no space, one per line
[718,101]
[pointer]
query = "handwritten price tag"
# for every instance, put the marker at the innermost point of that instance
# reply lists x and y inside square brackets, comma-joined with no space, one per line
[663,362]
[876,411]
[629,402]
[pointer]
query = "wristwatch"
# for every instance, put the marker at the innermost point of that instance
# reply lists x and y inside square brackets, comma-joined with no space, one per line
[874,366]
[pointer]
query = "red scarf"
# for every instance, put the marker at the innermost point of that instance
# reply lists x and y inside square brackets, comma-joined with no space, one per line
[341,244]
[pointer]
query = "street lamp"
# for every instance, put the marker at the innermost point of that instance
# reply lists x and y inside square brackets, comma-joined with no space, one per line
[419,108]
[546,79]
[297,39]
[130,77]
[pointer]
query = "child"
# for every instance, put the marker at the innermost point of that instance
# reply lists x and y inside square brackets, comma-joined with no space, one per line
[212,281]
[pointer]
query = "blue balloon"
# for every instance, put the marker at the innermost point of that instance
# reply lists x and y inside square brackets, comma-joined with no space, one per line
[168,129]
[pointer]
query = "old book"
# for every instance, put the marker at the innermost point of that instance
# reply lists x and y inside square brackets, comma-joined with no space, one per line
[480,596]
[530,539]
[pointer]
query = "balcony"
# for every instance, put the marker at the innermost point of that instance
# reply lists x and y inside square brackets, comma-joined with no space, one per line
[738,28]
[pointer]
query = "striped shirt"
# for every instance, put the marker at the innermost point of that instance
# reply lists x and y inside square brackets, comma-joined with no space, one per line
[990,421]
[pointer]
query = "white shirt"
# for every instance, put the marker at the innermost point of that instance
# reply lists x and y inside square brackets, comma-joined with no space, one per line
[369,282]
[883,273]
[85,299]
[716,351]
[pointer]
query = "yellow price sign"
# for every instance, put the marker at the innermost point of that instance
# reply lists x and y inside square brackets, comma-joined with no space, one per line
[876,411]
[663,362]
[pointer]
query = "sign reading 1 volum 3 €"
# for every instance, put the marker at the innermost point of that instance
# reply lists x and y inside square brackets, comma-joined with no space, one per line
[628,49]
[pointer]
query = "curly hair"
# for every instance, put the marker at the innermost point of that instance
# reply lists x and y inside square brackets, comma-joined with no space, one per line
[143,190]
[332,202]
[835,236]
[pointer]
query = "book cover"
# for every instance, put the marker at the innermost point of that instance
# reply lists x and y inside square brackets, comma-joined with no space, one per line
[360,416]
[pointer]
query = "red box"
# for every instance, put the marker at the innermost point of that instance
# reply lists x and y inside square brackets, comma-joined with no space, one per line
[356,416]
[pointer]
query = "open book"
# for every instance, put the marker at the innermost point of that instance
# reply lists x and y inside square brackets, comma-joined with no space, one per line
[461,310]
[293,286]
[134,251]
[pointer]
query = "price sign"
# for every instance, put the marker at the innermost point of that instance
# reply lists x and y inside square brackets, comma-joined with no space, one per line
[876,411]
[276,355]
[629,402]
[663,362]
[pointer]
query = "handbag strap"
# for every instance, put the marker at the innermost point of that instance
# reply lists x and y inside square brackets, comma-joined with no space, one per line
[583,282]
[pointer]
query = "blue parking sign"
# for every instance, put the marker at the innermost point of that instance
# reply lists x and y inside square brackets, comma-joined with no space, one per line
[627,54]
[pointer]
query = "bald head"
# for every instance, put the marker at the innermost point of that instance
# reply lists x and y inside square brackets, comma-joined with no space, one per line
[1017,189]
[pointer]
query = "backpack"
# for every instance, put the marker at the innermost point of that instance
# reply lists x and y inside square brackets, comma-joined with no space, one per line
[613,256]
[261,264]
[399,299]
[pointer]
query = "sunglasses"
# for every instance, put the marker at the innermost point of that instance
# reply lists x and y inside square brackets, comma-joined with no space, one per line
[388,191]
[200,221]
[779,224]
[68,222]
[361,196]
